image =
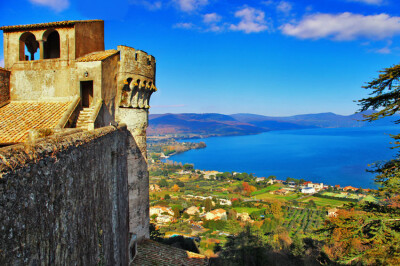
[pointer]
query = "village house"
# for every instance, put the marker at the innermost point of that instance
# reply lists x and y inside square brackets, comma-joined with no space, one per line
[218,214]
[244,217]
[160,210]
[260,179]
[164,219]
[193,210]
[350,188]
[155,188]
[209,174]
[308,190]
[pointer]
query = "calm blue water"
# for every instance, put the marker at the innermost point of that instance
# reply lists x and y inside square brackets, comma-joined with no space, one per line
[332,156]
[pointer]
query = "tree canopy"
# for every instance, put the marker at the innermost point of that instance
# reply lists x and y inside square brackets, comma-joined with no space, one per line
[369,233]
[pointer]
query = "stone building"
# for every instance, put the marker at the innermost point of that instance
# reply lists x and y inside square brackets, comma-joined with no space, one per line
[58,83]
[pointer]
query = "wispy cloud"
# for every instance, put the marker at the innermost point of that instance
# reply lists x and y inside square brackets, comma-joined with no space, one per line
[212,21]
[284,7]
[1,62]
[150,5]
[211,18]
[344,26]
[190,5]
[56,5]
[369,2]
[251,20]
[385,50]
[184,25]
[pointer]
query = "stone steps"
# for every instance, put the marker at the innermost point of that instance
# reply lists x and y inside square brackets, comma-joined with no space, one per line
[83,118]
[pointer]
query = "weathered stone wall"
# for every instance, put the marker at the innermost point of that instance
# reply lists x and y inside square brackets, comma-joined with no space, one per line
[63,200]
[43,79]
[138,182]
[4,86]
[89,37]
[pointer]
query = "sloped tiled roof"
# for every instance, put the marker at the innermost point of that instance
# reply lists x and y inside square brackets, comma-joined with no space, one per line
[3,69]
[68,23]
[97,56]
[17,118]
[151,253]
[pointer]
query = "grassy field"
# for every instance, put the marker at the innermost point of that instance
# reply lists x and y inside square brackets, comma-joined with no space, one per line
[287,197]
[325,202]
[370,198]
[267,189]
[245,209]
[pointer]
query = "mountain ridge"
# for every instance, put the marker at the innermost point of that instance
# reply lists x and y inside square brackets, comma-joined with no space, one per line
[215,124]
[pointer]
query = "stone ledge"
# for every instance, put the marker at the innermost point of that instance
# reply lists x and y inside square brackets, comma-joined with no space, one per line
[16,156]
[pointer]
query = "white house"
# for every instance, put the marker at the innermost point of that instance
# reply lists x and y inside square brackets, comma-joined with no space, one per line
[218,214]
[159,210]
[164,219]
[308,190]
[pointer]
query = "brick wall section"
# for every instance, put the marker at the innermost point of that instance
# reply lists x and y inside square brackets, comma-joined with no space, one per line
[4,85]
[64,200]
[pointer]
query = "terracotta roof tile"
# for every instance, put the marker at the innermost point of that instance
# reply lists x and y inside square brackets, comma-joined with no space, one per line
[97,56]
[68,23]
[17,118]
[153,253]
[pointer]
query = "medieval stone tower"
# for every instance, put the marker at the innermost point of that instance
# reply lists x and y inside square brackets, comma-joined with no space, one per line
[61,70]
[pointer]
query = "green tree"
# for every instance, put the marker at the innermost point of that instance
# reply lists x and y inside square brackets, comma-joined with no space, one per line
[208,205]
[155,234]
[167,197]
[245,248]
[297,247]
[180,183]
[370,233]
[163,183]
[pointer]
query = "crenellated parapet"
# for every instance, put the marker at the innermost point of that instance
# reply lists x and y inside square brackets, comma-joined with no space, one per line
[136,79]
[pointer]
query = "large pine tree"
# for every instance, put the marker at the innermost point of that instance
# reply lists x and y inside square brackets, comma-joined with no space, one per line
[370,233]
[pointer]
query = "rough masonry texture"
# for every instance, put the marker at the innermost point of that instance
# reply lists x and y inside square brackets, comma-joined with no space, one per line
[4,86]
[64,199]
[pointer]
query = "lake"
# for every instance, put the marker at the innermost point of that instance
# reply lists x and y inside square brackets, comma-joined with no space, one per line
[330,155]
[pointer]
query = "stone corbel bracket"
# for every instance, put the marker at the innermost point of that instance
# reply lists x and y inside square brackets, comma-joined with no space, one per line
[137,94]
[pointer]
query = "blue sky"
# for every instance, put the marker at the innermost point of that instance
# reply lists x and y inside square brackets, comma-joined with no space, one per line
[267,57]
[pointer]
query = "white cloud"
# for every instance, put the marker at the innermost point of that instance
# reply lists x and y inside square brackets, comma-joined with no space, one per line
[344,26]
[384,50]
[183,25]
[190,5]
[211,18]
[1,62]
[150,5]
[369,2]
[212,21]
[284,7]
[251,20]
[57,5]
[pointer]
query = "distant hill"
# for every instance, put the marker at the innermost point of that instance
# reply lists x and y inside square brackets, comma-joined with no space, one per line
[212,124]
[199,124]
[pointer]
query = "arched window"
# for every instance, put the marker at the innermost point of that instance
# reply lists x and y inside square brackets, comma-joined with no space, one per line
[28,47]
[51,44]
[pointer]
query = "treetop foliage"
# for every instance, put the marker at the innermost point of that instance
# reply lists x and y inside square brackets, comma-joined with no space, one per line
[385,94]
